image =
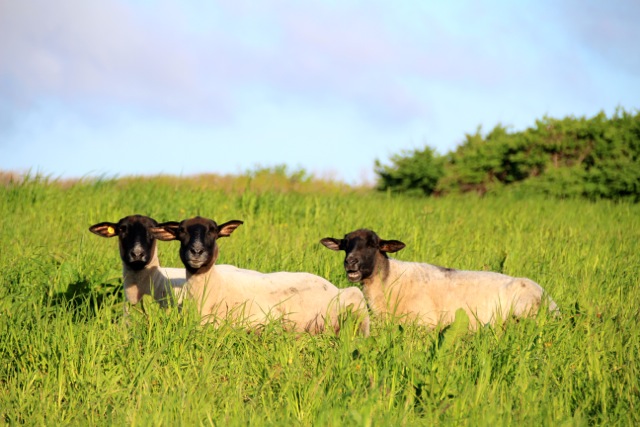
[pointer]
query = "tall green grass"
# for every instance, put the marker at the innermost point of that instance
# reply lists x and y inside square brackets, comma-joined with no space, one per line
[68,355]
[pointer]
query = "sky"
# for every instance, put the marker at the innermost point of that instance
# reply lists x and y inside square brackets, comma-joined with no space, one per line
[120,88]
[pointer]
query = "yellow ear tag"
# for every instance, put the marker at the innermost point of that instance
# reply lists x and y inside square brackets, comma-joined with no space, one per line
[110,230]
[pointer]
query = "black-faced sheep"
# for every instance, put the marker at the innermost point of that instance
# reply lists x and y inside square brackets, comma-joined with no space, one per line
[429,294]
[303,301]
[141,270]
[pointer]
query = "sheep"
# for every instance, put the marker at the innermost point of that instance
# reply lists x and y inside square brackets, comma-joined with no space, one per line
[303,301]
[430,294]
[141,271]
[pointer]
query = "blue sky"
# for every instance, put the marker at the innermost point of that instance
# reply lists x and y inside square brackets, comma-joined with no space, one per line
[142,88]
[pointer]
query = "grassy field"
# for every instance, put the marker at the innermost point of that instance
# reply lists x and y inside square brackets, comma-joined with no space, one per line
[68,357]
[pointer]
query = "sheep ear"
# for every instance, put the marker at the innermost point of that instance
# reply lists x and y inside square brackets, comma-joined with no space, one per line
[331,243]
[105,229]
[166,231]
[225,230]
[390,246]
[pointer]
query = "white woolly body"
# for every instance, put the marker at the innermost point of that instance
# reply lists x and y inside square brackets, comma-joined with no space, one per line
[165,284]
[430,294]
[305,302]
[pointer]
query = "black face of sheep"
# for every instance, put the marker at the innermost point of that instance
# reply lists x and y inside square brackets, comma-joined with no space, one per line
[136,242]
[362,248]
[197,236]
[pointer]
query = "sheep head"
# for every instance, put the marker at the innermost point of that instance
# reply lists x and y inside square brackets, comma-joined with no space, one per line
[137,243]
[197,236]
[363,248]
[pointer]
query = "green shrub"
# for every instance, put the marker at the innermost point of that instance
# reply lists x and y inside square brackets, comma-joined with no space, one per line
[415,171]
[571,157]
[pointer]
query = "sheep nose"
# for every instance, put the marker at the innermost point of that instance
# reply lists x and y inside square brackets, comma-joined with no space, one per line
[196,251]
[351,263]
[137,254]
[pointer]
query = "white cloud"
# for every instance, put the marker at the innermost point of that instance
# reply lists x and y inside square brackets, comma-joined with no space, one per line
[419,72]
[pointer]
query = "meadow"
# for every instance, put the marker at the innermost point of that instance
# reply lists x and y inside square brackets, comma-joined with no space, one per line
[68,355]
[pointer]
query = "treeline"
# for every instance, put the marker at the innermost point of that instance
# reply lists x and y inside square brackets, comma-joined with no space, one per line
[571,157]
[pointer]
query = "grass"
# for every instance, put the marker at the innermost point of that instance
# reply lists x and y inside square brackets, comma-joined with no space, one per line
[67,355]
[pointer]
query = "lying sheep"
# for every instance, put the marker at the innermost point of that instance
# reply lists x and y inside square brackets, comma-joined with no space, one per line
[431,294]
[303,301]
[141,271]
